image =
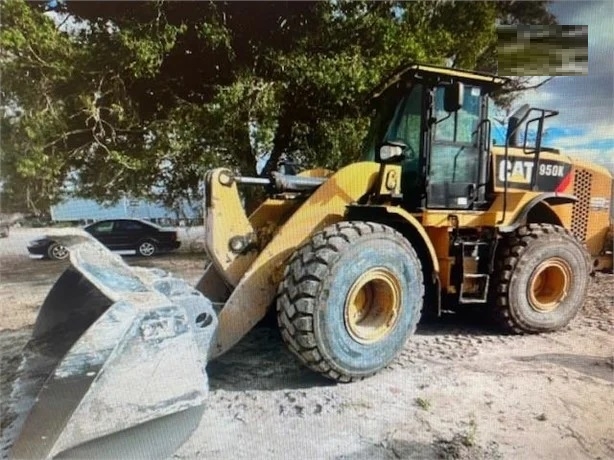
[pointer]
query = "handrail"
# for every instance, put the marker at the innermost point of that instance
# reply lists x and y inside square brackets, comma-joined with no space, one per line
[525,110]
[538,140]
[483,144]
[518,120]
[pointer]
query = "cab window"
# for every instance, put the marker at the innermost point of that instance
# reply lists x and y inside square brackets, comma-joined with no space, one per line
[454,153]
[398,118]
[406,123]
[458,127]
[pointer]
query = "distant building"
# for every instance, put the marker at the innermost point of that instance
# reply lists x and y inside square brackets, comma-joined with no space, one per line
[86,211]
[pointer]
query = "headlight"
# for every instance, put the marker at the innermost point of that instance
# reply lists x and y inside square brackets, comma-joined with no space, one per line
[387,151]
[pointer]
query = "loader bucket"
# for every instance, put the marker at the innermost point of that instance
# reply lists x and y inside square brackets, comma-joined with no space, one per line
[116,364]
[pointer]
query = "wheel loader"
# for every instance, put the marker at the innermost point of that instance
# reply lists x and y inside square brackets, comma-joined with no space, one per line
[433,217]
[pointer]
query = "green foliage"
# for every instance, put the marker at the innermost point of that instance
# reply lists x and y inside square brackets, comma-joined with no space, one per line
[143,97]
[423,403]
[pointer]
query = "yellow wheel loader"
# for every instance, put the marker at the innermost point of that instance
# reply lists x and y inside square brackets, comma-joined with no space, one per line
[434,216]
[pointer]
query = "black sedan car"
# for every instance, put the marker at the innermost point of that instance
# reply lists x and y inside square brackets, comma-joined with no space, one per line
[137,235]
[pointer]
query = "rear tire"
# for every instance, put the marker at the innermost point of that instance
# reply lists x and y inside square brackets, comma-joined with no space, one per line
[57,252]
[350,298]
[542,279]
[146,248]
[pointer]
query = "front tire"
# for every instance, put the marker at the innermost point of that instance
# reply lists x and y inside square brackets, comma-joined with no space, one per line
[350,298]
[542,279]
[56,251]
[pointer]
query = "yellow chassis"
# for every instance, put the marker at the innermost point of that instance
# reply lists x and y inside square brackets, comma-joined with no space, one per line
[244,282]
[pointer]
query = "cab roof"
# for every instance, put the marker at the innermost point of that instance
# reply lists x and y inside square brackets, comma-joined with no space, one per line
[437,74]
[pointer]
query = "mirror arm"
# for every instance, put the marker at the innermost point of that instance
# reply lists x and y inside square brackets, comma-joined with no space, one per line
[436,121]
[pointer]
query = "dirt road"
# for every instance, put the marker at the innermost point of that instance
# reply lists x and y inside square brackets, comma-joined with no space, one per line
[460,389]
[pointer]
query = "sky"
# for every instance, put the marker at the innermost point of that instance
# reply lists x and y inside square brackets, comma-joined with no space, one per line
[584,127]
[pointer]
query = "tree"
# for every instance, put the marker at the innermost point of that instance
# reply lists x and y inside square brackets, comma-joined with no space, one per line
[104,98]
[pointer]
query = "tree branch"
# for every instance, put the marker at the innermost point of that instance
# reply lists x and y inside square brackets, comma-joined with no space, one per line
[524,88]
[66,135]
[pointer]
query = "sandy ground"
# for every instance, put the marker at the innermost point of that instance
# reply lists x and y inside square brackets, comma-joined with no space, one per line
[460,389]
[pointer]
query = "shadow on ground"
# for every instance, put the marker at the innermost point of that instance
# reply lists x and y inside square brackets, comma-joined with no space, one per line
[476,322]
[593,366]
[459,447]
[261,362]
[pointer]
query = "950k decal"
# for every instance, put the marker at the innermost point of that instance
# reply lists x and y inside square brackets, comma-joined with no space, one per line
[552,176]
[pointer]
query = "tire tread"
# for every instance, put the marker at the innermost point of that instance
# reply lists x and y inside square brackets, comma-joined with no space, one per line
[510,259]
[296,303]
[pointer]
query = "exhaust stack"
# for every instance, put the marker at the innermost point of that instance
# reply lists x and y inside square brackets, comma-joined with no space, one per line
[515,120]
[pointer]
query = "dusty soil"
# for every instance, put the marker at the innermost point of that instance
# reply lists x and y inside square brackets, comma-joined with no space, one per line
[459,390]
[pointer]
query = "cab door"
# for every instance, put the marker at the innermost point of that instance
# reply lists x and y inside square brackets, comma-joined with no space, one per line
[404,125]
[454,160]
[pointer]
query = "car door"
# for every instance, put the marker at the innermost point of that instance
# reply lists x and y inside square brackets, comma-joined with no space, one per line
[131,232]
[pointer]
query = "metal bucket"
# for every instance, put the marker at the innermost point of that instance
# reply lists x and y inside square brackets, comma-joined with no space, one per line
[116,364]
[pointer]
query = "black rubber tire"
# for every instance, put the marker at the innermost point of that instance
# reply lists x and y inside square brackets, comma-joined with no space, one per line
[518,256]
[147,248]
[56,251]
[317,279]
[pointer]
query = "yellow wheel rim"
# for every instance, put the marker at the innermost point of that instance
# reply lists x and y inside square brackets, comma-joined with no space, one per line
[549,285]
[372,306]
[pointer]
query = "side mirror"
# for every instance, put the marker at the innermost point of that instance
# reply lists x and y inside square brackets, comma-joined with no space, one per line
[453,97]
[392,151]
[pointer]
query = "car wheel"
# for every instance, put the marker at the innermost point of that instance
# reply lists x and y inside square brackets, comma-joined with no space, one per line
[146,248]
[57,252]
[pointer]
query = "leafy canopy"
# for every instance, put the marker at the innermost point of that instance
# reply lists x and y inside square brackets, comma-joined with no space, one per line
[105,98]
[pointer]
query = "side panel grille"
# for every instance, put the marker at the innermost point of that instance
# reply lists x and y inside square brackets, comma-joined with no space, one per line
[579,214]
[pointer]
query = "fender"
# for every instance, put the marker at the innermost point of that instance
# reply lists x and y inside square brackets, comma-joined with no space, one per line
[387,215]
[549,198]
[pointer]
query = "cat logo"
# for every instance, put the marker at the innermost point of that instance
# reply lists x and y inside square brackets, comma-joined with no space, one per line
[516,171]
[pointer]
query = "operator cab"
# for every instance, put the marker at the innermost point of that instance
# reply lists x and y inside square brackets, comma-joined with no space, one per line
[435,121]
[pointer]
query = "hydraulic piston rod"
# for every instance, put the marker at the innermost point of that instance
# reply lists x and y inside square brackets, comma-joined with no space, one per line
[284,182]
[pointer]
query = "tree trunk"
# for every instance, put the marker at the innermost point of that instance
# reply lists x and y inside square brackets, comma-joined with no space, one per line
[281,142]
[280,145]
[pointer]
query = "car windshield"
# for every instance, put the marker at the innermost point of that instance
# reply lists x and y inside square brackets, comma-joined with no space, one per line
[151,224]
[157,226]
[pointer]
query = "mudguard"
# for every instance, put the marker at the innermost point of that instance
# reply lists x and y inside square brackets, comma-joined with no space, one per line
[116,364]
